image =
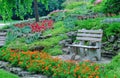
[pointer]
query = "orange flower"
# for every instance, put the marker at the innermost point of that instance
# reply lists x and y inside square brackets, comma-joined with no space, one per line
[20,63]
[97,67]
[97,77]
[74,74]
[79,76]
[90,77]
[87,68]
[46,68]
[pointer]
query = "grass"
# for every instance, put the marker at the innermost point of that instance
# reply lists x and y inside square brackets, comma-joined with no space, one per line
[5,74]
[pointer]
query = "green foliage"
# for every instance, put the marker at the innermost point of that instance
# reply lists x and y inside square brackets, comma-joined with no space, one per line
[89,23]
[114,4]
[113,29]
[59,16]
[56,50]
[106,5]
[74,5]
[15,32]
[100,7]
[26,29]
[69,22]
[113,67]
[5,74]
[79,7]
[18,44]
[21,7]
[30,39]
[58,29]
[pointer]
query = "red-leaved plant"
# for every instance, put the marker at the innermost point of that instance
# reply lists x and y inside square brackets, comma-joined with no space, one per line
[37,26]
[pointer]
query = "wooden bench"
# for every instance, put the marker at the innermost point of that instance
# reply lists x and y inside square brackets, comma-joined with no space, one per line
[89,44]
[2,37]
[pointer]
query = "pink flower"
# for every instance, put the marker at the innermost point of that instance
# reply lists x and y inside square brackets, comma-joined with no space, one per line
[98,1]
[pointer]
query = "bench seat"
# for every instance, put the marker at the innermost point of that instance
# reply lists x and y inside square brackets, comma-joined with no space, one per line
[84,46]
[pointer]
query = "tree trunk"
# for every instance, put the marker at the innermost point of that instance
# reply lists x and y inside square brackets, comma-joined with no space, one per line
[36,11]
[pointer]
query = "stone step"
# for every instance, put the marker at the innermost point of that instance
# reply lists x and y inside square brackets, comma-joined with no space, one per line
[2,43]
[3,33]
[2,39]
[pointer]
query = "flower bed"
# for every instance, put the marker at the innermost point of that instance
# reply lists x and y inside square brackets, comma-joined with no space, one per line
[37,26]
[41,62]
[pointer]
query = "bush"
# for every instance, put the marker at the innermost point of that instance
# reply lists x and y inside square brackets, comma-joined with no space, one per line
[114,4]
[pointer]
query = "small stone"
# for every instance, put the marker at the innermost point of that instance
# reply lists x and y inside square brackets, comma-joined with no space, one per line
[23,73]
[15,70]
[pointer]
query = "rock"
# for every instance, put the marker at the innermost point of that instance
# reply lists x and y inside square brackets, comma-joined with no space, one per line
[69,41]
[62,43]
[66,50]
[112,38]
[111,20]
[3,64]
[35,76]
[18,71]
[23,73]
[70,34]
[15,70]
[45,37]
[66,45]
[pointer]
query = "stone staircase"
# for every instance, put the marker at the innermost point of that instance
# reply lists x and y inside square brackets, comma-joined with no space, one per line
[3,34]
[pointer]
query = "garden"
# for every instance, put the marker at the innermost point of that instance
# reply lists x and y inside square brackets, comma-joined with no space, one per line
[38,46]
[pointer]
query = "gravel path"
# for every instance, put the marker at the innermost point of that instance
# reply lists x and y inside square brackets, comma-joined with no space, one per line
[68,57]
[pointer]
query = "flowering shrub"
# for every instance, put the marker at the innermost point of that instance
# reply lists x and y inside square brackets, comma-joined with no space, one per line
[37,26]
[42,62]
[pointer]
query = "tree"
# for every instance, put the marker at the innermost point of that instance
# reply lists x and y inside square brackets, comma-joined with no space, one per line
[36,10]
[21,7]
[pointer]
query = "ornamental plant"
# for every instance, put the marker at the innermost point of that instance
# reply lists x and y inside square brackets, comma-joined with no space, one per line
[41,62]
[37,26]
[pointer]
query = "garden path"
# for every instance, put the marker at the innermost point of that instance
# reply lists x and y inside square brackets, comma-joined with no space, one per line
[68,57]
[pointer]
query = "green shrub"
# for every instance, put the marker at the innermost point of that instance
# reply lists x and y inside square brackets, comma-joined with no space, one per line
[74,5]
[69,22]
[114,4]
[56,50]
[58,29]
[113,29]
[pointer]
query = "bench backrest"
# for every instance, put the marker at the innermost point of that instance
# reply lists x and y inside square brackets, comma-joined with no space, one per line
[90,35]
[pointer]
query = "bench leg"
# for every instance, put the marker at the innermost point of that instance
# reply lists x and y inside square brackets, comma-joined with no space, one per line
[95,53]
[98,54]
[82,52]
